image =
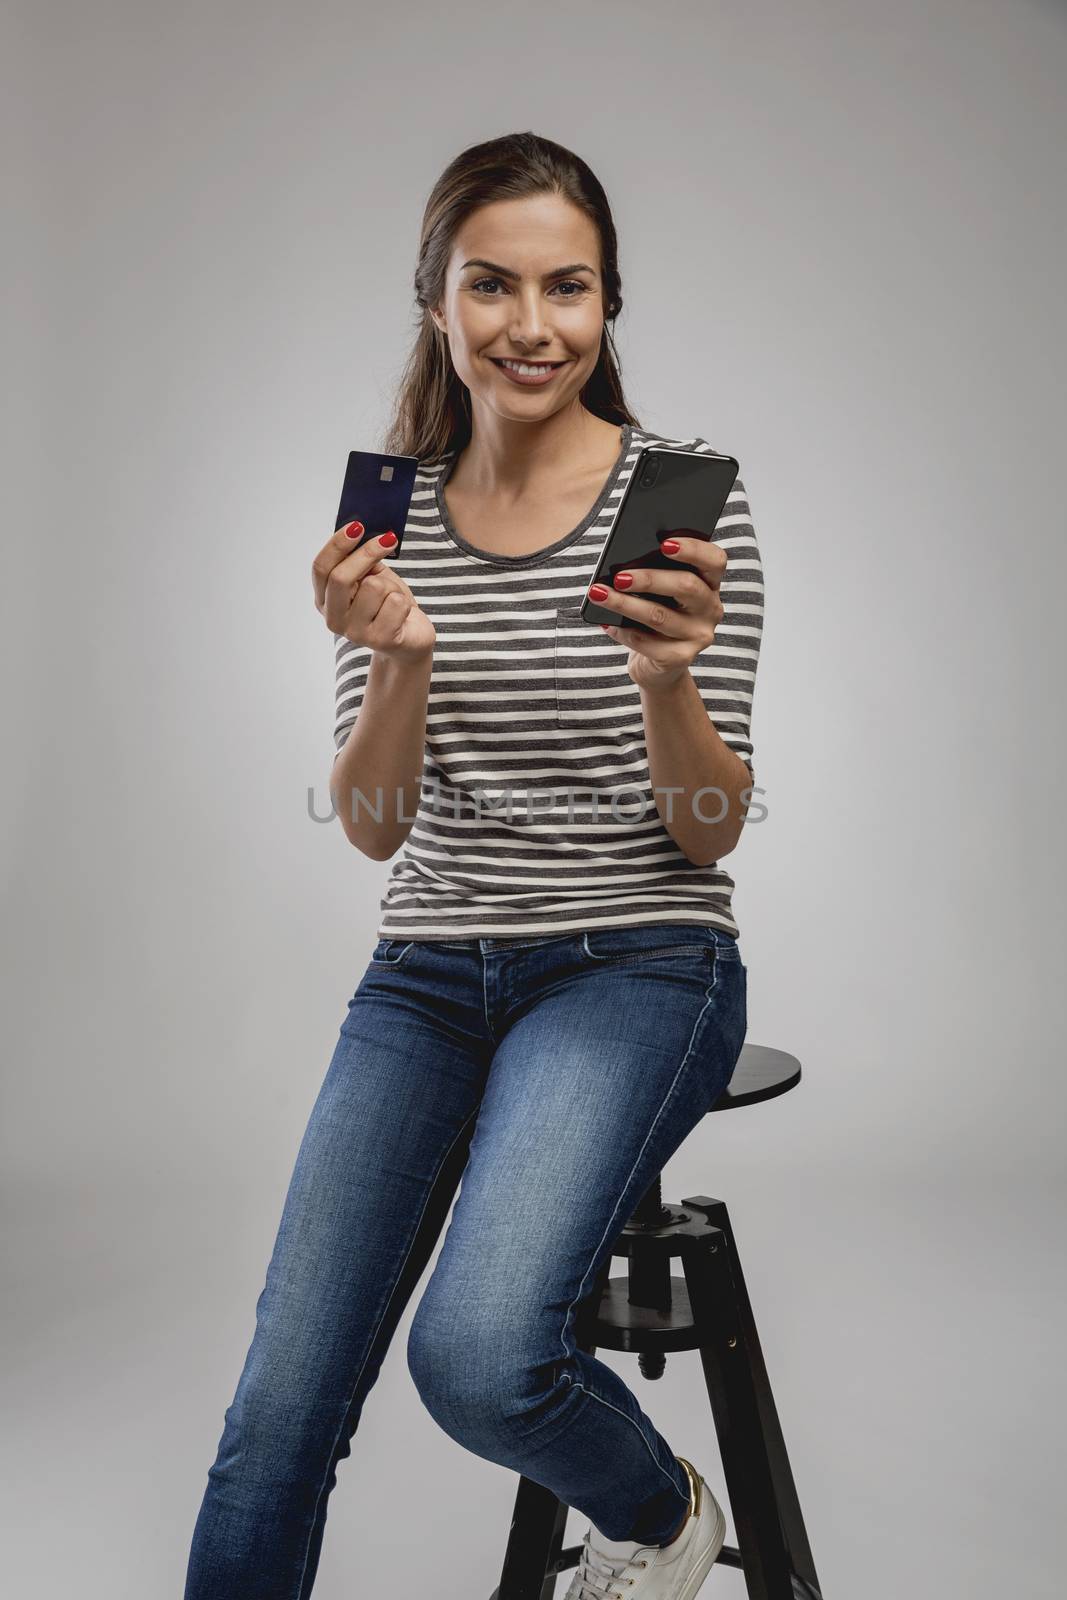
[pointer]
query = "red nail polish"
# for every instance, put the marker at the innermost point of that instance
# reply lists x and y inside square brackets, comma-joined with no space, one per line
[623,580]
[598,592]
[354,530]
[671,546]
[388,539]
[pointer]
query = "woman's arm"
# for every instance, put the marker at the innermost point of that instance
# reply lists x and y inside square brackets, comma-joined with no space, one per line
[697,679]
[384,753]
[686,754]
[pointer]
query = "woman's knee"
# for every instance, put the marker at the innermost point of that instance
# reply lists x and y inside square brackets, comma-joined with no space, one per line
[445,1358]
[276,1441]
[478,1378]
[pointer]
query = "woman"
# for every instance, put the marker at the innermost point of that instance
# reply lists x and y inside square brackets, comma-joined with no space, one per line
[557,994]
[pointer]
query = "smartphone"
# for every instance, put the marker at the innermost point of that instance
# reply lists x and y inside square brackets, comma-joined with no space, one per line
[670,491]
[377,492]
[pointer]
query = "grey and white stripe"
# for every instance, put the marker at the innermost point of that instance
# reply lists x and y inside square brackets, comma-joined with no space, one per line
[530,705]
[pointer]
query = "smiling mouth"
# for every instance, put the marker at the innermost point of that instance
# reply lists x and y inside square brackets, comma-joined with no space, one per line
[509,361]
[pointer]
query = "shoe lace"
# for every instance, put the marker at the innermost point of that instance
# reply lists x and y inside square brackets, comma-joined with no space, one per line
[597,1572]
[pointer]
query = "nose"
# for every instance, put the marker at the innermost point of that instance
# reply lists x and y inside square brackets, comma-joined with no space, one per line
[529,324]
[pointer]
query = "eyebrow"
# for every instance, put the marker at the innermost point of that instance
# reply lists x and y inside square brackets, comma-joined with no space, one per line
[509,272]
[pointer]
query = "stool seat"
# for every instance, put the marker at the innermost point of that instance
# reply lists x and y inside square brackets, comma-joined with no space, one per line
[760,1074]
[652,1313]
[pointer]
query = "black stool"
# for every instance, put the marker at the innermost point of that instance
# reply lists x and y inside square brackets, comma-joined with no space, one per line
[650,1312]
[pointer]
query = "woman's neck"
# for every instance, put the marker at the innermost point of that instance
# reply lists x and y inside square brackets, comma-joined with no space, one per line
[508,461]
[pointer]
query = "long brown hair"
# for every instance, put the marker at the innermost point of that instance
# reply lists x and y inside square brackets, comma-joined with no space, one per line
[432,413]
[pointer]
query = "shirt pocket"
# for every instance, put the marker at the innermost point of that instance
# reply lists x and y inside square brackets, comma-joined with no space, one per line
[594,691]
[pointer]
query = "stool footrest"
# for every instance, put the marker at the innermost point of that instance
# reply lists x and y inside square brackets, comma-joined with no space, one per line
[622,1325]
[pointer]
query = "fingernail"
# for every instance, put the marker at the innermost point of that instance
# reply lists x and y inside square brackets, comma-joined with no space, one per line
[388,539]
[670,545]
[354,530]
[598,592]
[623,580]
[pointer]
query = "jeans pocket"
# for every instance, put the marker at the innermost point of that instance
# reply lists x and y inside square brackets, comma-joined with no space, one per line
[593,687]
[391,952]
[633,946]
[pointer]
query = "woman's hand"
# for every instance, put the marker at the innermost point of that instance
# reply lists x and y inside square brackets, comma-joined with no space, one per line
[659,659]
[360,596]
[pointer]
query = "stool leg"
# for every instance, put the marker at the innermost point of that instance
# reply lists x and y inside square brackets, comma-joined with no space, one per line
[534,1544]
[773,1544]
[538,1522]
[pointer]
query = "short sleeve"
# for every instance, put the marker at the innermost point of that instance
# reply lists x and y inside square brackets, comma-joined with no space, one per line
[352,665]
[725,672]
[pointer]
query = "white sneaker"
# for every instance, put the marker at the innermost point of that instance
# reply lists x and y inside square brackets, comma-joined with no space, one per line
[623,1569]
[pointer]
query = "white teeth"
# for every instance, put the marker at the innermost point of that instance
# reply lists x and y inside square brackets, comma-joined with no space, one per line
[527,370]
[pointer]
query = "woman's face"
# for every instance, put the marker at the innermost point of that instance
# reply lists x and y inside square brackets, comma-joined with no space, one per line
[506,297]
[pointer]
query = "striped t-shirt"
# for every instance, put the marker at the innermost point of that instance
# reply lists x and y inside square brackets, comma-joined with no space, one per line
[536,814]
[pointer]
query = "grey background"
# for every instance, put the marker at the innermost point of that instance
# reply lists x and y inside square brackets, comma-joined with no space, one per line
[842,234]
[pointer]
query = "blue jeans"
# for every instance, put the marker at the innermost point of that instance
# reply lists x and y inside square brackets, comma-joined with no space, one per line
[556,1075]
